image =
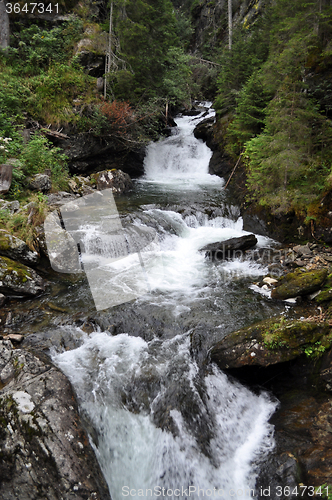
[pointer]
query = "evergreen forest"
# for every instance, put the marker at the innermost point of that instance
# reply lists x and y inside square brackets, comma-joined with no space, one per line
[271,88]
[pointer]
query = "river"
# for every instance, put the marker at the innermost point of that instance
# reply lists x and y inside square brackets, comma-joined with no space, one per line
[162,420]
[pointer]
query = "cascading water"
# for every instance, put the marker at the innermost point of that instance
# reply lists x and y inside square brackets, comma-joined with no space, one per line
[157,418]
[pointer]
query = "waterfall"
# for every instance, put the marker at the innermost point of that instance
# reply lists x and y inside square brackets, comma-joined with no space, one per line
[145,439]
[160,424]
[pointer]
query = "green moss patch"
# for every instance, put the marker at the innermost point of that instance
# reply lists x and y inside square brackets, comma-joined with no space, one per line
[300,282]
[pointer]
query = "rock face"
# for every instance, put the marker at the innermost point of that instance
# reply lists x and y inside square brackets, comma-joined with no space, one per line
[5,178]
[19,280]
[40,182]
[88,154]
[113,179]
[204,131]
[44,451]
[300,282]
[13,247]
[271,341]
[227,249]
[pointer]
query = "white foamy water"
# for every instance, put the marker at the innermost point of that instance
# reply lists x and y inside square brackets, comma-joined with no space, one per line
[157,421]
[133,451]
[181,161]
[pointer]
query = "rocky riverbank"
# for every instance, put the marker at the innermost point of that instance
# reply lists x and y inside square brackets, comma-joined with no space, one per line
[44,450]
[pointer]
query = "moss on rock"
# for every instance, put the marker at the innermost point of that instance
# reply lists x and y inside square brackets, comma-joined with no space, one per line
[272,341]
[18,279]
[300,282]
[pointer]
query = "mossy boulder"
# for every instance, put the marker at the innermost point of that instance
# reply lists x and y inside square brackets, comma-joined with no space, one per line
[13,247]
[300,282]
[19,280]
[272,341]
[326,294]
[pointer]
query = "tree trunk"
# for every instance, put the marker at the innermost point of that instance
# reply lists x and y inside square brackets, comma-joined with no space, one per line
[230,24]
[4,26]
[109,51]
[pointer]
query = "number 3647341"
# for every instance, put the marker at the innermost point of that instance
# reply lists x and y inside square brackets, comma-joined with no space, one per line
[30,8]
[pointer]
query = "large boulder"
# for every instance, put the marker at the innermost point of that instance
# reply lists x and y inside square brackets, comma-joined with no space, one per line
[44,450]
[19,280]
[272,341]
[40,182]
[228,249]
[300,282]
[13,247]
[6,173]
[113,179]
[204,131]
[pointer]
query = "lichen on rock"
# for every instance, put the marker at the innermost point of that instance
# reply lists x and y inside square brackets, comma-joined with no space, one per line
[44,450]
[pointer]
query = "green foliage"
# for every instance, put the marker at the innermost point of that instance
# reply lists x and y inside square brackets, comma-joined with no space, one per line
[249,119]
[289,154]
[38,155]
[314,350]
[324,491]
[278,116]
[53,94]
[249,52]
[38,47]
[152,60]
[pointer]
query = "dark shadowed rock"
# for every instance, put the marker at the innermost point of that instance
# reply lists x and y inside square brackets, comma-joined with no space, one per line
[269,342]
[13,247]
[300,282]
[204,131]
[44,450]
[220,164]
[3,299]
[227,249]
[19,280]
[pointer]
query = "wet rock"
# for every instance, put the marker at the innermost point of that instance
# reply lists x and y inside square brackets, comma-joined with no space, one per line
[44,449]
[271,341]
[113,179]
[228,248]
[325,370]
[300,282]
[325,294]
[5,178]
[281,470]
[204,131]
[220,164]
[3,299]
[19,280]
[14,248]
[40,182]
[39,236]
